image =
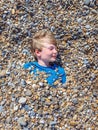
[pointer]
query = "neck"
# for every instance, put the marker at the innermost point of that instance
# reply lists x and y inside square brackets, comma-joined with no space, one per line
[42,63]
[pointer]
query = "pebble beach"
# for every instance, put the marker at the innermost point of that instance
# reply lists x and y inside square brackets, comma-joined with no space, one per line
[28,104]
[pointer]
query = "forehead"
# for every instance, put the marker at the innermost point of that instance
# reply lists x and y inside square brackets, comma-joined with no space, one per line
[48,42]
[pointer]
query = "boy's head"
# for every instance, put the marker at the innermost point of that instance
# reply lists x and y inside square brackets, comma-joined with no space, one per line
[43,40]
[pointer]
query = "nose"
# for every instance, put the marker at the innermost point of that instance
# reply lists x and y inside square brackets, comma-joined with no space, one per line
[55,50]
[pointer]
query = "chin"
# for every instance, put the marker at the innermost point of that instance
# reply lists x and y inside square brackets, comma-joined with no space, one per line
[53,60]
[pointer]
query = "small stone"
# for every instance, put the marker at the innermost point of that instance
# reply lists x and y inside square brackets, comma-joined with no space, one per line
[87,27]
[8,120]
[32,114]
[79,20]
[53,123]
[1,109]
[23,82]
[86,2]
[22,100]
[95,94]
[21,121]
[34,85]
[3,72]
[13,11]
[28,81]
[26,128]
[41,84]
[75,101]
[28,92]
[42,121]
[15,107]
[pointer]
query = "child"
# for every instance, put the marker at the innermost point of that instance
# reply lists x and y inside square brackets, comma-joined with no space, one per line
[44,49]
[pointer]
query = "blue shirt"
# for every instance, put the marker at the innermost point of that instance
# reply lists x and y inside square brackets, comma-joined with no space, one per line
[55,72]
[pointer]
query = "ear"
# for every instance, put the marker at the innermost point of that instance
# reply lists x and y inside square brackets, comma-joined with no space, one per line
[37,52]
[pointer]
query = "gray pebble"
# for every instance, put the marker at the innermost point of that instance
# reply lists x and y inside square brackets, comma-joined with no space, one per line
[86,2]
[8,120]
[75,101]
[22,121]
[42,121]
[87,27]
[53,123]
[28,92]
[22,100]
[23,82]
[79,20]
[1,109]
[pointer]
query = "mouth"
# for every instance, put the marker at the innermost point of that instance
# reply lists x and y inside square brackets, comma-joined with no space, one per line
[54,57]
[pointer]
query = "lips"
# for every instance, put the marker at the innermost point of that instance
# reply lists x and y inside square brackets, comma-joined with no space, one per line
[54,57]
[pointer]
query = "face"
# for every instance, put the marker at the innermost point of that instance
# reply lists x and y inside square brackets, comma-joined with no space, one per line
[48,52]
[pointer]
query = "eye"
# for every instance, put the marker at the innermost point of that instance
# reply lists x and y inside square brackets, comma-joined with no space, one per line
[52,47]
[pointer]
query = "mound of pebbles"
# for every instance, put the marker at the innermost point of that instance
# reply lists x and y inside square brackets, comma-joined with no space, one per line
[27,104]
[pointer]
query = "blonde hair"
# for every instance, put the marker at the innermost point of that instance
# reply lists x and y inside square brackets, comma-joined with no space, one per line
[39,38]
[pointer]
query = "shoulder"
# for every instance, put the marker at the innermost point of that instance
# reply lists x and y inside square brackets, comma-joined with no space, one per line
[59,68]
[61,73]
[28,65]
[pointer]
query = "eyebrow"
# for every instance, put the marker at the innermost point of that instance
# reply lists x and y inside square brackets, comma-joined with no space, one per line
[50,46]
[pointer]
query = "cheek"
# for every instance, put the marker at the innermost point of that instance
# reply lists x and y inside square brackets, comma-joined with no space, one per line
[48,52]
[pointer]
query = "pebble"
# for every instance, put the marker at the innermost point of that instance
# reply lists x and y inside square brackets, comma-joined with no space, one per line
[79,20]
[1,109]
[22,100]
[8,120]
[75,101]
[23,82]
[27,103]
[41,84]
[28,93]
[22,121]
[42,121]
[87,26]
[15,108]
[53,123]
[86,2]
